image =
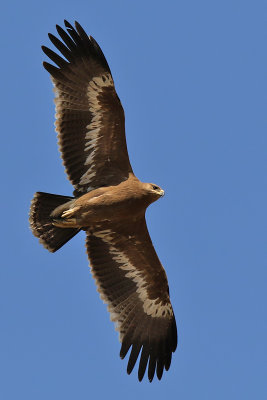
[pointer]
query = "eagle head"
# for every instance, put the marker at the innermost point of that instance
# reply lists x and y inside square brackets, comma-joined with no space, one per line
[154,191]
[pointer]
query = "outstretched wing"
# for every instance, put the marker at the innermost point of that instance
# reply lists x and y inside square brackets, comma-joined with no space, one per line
[90,117]
[132,281]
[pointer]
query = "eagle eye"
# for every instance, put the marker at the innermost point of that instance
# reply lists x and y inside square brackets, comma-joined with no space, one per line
[154,187]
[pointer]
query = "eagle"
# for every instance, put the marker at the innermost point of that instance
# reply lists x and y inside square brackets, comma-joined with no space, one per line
[108,203]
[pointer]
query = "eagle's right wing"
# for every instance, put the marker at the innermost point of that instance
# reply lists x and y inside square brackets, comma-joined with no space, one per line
[90,117]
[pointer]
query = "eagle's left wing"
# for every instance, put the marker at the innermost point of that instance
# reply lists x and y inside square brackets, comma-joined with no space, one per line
[133,283]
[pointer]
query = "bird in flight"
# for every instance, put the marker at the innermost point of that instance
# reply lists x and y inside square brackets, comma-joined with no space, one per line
[109,203]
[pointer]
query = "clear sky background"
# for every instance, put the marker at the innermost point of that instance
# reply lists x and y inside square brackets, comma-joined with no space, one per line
[191,76]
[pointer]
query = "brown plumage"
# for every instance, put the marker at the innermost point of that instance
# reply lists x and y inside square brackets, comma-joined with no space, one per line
[109,203]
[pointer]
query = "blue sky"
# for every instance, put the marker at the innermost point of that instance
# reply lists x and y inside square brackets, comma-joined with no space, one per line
[191,76]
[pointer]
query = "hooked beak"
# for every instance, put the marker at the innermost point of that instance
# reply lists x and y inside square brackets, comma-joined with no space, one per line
[162,192]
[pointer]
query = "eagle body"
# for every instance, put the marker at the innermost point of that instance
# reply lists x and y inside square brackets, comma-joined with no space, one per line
[125,202]
[108,203]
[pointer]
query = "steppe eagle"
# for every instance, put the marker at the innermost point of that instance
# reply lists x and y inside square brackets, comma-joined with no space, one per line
[109,202]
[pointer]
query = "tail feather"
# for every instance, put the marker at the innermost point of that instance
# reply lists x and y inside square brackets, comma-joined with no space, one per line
[50,236]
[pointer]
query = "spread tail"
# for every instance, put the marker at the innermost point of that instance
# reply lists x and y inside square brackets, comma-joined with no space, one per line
[50,236]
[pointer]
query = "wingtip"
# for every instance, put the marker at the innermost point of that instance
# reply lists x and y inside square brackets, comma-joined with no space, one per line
[51,69]
[141,375]
[80,30]
[160,368]
[58,27]
[67,24]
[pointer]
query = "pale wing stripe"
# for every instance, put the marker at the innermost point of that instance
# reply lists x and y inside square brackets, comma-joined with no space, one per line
[153,308]
[95,88]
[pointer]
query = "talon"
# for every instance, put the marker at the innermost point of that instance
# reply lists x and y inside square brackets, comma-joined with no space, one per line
[65,214]
[68,213]
[65,223]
